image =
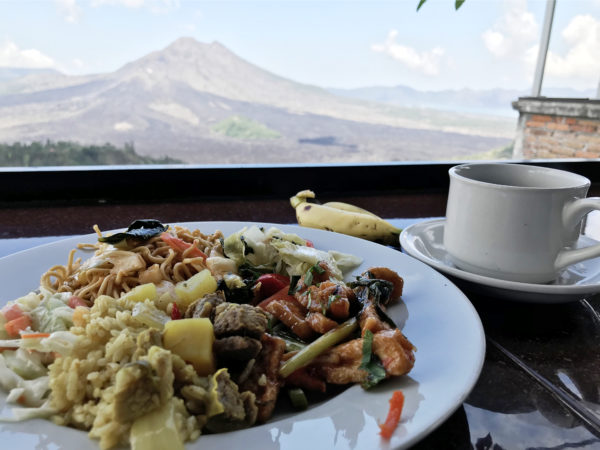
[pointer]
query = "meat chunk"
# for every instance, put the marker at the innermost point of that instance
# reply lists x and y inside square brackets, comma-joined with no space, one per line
[205,306]
[229,409]
[293,315]
[331,297]
[236,350]
[263,379]
[395,351]
[383,273]
[341,364]
[136,391]
[143,385]
[320,323]
[232,319]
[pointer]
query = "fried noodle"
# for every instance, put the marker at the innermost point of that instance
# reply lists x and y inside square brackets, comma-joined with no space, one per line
[113,271]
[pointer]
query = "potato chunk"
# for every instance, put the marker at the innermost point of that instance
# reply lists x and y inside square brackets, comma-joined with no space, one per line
[192,340]
[157,430]
[142,292]
[194,288]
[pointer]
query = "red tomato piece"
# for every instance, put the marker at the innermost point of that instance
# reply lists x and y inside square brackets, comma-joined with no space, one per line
[282,294]
[175,313]
[271,283]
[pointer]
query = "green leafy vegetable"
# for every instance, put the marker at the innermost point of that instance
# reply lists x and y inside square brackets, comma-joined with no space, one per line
[318,269]
[241,293]
[139,230]
[293,284]
[250,271]
[332,298]
[308,278]
[378,290]
[371,363]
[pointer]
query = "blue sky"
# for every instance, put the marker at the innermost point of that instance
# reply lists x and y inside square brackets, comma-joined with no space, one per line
[334,43]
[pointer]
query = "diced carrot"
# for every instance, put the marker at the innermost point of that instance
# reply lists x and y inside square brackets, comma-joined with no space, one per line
[14,326]
[281,294]
[35,335]
[11,312]
[393,417]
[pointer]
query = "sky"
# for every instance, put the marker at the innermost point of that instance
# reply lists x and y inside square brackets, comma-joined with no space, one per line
[334,43]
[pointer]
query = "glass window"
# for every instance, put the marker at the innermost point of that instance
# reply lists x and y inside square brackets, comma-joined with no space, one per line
[291,82]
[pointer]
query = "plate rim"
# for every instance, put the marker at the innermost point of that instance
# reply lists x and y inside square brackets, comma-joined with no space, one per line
[456,401]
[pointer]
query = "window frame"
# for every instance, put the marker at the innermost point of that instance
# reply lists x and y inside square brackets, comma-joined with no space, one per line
[188,182]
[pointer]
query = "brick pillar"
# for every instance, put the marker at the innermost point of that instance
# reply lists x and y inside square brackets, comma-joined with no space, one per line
[557,128]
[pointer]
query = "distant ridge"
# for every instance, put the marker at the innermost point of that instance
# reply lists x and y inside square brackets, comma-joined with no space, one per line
[487,101]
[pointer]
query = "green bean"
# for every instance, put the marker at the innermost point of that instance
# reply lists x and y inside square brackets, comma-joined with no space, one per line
[315,348]
[298,399]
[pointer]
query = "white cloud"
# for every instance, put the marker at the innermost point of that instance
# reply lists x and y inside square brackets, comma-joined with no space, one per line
[69,9]
[122,126]
[512,34]
[427,62]
[582,59]
[13,56]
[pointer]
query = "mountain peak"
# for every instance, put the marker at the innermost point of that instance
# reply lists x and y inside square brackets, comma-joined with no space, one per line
[187,42]
[188,47]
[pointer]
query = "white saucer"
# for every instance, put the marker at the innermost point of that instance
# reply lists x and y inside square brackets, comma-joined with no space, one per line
[424,241]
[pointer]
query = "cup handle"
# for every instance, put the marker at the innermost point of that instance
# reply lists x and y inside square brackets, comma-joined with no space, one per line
[572,215]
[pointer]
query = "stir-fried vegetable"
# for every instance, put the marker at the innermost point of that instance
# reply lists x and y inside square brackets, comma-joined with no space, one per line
[298,398]
[149,316]
[370,363]
[315,348]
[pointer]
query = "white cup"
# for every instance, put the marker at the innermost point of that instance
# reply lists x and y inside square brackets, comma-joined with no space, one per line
[516,222]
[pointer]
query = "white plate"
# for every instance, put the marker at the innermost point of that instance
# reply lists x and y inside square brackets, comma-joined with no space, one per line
[436,317]
[425,241]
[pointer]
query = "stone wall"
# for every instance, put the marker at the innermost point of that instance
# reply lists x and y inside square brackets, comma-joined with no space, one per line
[557,128]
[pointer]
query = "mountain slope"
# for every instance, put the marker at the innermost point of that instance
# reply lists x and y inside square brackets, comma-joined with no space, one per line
[168,103]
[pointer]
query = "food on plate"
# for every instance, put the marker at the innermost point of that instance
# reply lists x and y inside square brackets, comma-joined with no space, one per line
[343,218]
[166,333]
[393,418]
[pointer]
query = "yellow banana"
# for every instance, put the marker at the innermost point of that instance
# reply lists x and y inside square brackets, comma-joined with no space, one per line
[342,220]
[348,207]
